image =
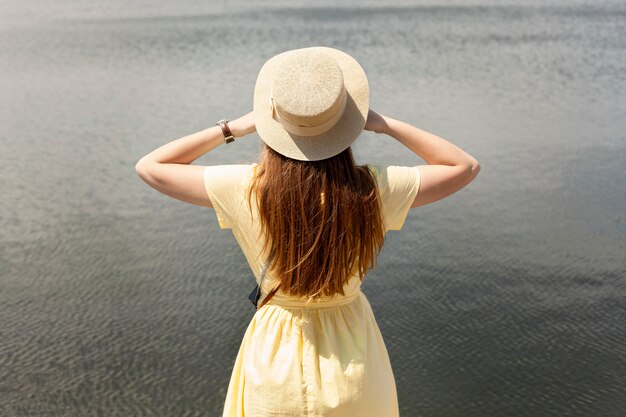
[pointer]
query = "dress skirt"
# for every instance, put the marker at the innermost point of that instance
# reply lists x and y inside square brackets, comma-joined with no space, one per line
[327,359]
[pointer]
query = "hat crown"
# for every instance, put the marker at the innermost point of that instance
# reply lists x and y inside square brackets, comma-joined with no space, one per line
[308,91]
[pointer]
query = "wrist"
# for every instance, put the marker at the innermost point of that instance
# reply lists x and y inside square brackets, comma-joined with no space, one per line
[238,129]
[387,126]
[226,128]
[234,128]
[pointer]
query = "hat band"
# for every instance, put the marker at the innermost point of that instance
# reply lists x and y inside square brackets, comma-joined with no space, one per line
[309,130]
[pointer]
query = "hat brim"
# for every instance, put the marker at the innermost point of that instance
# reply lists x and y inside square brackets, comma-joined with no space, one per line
[333,141]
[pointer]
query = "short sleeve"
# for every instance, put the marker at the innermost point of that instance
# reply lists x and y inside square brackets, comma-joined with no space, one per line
[225,188]
[398,187]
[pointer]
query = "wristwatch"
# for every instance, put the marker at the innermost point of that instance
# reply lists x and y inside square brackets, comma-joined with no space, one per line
[228,135]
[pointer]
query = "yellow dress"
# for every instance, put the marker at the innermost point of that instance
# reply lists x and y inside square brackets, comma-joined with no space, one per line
[327,359]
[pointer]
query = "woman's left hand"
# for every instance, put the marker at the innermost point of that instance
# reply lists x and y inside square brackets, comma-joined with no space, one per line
[243,125]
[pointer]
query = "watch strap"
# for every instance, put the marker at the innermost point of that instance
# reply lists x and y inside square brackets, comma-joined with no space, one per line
[228,135]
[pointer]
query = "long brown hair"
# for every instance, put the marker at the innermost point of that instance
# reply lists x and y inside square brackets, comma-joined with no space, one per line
[320,220]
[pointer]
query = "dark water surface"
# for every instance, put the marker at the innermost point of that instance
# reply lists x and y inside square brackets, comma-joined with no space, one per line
[506,299]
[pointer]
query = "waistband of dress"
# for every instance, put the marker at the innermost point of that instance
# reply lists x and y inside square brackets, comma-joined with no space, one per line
[290,302]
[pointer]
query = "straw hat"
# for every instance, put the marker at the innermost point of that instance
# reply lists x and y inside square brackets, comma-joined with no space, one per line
[311,103]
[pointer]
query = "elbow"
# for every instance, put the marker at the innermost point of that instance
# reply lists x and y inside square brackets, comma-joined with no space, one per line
[475,168]
[472,167]
[140,168]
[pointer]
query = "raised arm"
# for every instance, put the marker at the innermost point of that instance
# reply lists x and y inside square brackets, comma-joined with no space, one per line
[449,167]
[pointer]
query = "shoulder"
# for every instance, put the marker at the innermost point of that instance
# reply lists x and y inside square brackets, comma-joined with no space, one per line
[227,179]
[225,185]
[232,174]
[398,186]
[392,176]
[233,168]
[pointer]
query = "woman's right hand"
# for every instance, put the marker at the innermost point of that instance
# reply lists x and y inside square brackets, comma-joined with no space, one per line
[376,122]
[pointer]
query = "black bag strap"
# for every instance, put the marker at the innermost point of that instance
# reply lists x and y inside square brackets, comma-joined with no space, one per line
[271,293]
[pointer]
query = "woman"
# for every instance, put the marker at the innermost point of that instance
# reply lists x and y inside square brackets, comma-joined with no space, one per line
[317,222]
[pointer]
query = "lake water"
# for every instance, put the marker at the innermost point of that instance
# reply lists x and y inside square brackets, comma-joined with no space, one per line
[507,298]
